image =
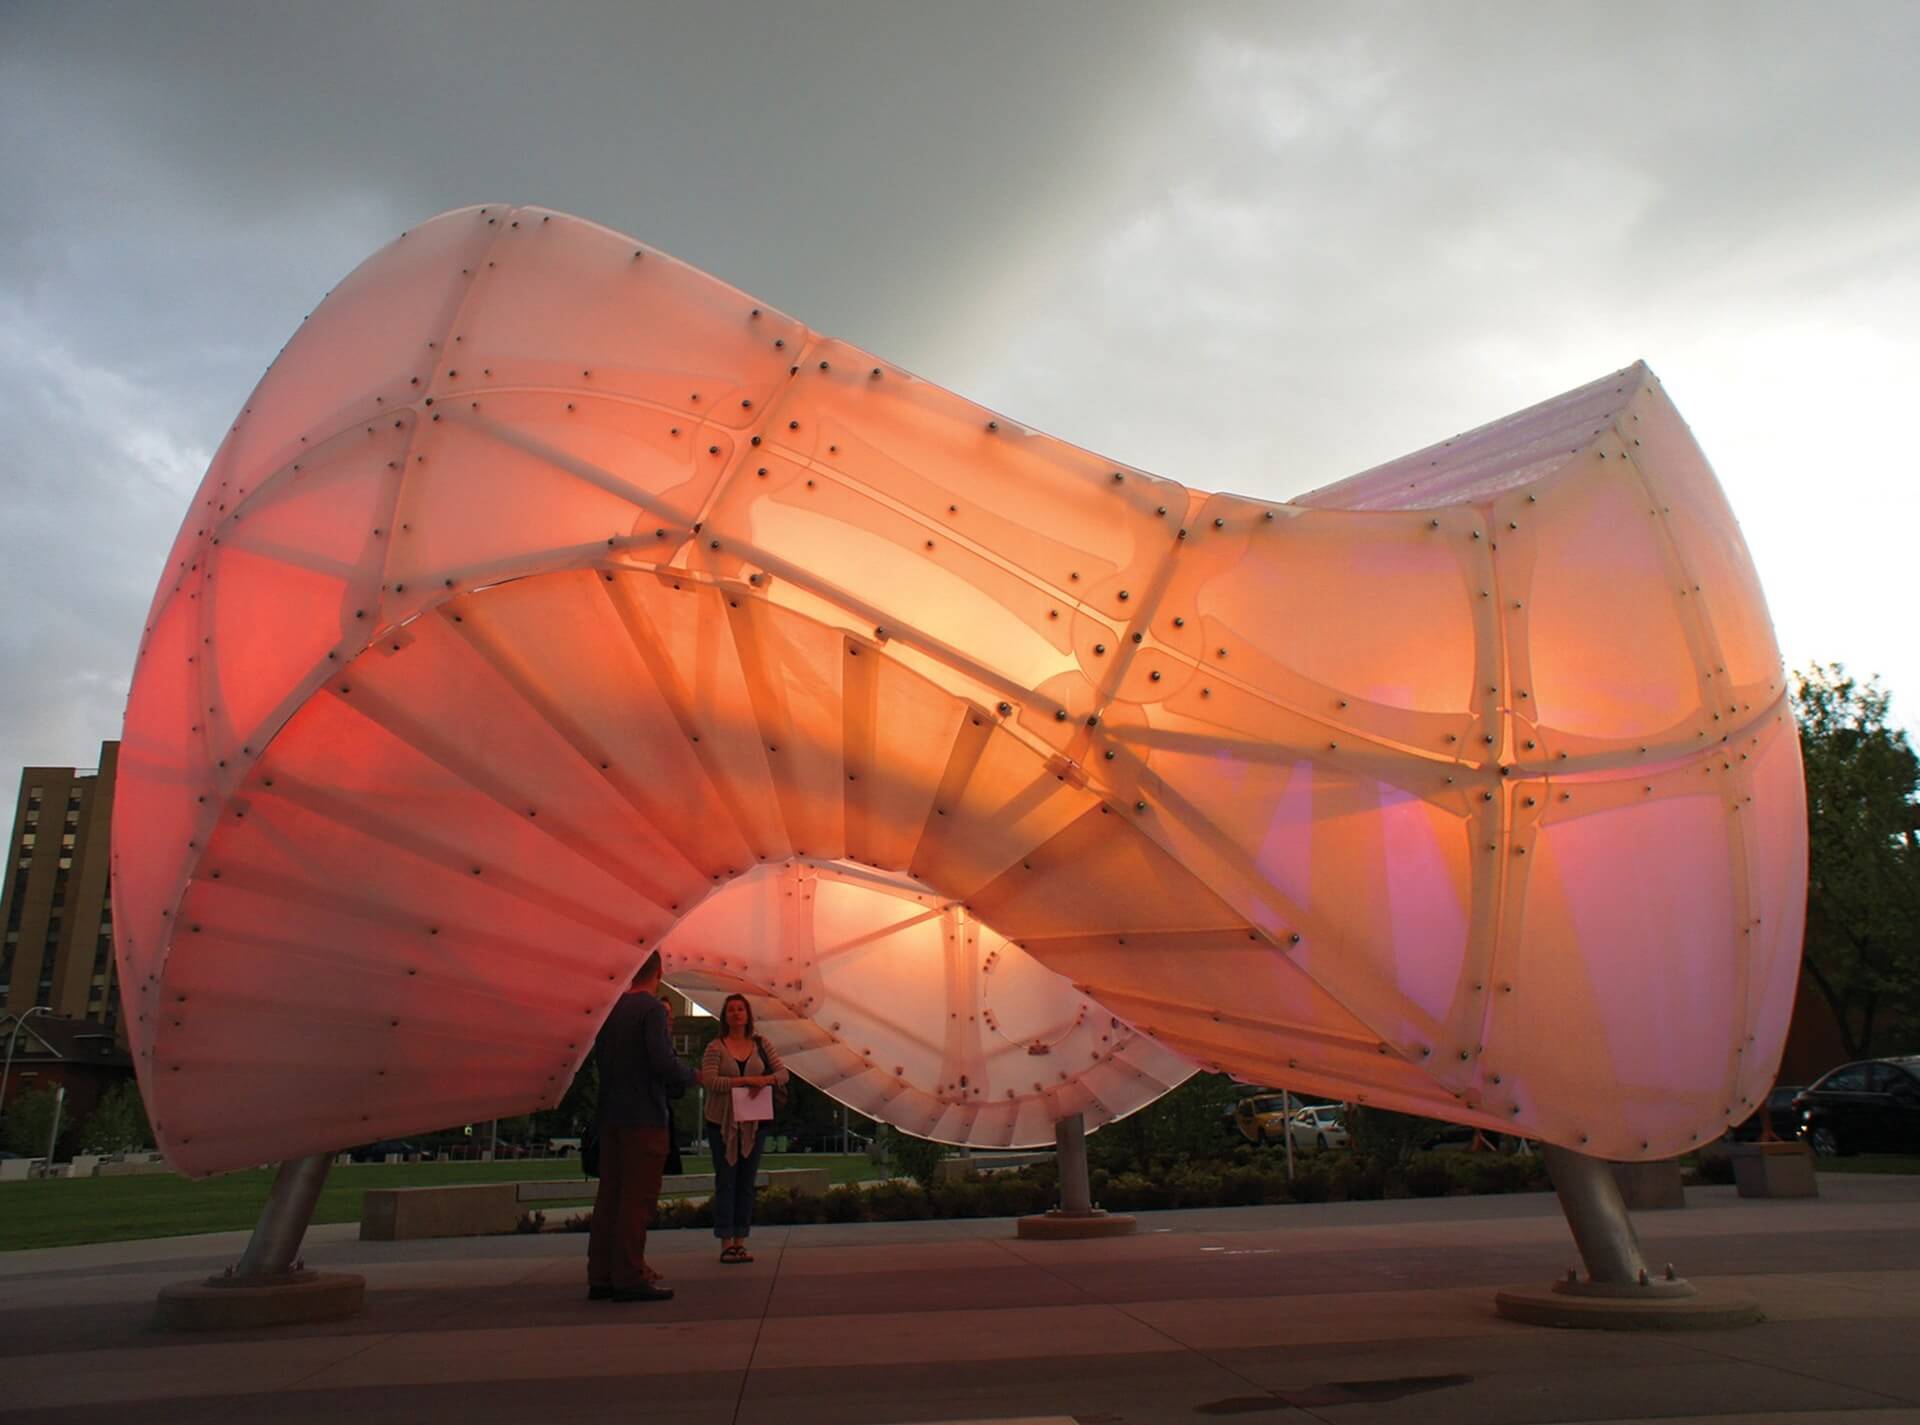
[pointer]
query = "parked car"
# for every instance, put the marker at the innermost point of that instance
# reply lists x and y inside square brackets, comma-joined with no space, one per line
[1872,1106]
[1322,1126]
[1261,1118]
[1778,1108]
[377,1152]
[1448,1137]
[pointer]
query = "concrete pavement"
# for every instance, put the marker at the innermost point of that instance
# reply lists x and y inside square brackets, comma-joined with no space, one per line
[1335,1312]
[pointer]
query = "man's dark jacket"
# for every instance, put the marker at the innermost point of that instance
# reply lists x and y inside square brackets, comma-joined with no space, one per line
[639,1071]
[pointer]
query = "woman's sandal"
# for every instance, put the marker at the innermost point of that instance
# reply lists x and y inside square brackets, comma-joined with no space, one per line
[731,1255]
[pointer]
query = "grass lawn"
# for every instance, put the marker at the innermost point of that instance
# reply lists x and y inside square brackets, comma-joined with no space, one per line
[1869,1163]
[63,1212]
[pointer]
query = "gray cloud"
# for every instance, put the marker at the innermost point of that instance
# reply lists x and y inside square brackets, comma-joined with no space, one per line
[1253,247]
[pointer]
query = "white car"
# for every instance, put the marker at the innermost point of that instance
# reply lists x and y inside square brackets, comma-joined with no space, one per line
[1324,1126]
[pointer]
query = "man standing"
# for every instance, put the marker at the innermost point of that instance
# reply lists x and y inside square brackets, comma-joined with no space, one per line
[639,1072]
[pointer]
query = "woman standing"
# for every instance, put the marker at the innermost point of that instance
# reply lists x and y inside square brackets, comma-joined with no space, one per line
[737,1059]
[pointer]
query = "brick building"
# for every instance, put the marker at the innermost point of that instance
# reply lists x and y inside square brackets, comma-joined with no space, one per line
[55,902]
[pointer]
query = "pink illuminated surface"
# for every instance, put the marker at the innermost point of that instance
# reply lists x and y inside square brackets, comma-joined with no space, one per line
[552,601]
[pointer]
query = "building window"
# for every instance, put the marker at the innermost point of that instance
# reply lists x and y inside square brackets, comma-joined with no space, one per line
[33,816]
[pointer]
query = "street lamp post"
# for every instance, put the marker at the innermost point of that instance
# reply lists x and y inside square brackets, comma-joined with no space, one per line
[19,1021]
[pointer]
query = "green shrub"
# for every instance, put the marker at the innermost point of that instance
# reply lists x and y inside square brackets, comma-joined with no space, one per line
[967,1198]
[118,1124]
[779,1206]
[1391,1137]
[1502,1172]
[29,1120]
[1135,1192]
[684,1212]
[1014,1195]
[1242,1187]
[896,1201]
[1429,1174]
[1312,1180]
[916,1158]
[843,1203]
[1184,1123]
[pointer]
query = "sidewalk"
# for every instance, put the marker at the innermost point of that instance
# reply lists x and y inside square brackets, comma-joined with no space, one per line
[1367,1312]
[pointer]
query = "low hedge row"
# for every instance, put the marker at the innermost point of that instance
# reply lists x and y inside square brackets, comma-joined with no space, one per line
[1321,1177]
[1248,1177]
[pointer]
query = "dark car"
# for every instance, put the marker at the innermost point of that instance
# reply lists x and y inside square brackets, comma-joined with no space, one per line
[1445,1138]
[1868,1107]
[377,1152]
[1779,1110]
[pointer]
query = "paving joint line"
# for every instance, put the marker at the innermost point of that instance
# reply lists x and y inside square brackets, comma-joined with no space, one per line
[766,1309]
[1702,1348]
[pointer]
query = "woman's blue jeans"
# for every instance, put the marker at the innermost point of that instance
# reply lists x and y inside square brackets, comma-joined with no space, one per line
[733,1189]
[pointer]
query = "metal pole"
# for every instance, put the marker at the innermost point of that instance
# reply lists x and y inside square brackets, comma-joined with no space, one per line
[283,1221]
[1286,1119]
[53,1133]
[1070,1143]
[1590,1197]
[19,1023]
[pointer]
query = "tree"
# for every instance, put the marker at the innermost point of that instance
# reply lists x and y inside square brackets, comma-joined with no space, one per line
[29,1121]
[1863,874]
[118,1123]
[911,1156]
[1184,1123]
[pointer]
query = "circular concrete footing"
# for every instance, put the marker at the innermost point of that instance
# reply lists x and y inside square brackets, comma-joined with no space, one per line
[222,1304]
[1706,1309]
[1060,1226]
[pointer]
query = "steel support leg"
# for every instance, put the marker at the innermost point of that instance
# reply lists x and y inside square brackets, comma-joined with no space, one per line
[1070,1141]
[1597,1214]
[1076,1216]
[275,1244]
[1619,1293]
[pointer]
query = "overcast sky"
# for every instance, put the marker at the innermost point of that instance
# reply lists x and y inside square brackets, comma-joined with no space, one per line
[1256,248]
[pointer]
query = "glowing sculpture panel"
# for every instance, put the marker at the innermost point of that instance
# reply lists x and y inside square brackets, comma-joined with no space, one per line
[551,601]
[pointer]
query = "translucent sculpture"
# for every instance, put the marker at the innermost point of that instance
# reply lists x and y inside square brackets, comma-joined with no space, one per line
[551,601]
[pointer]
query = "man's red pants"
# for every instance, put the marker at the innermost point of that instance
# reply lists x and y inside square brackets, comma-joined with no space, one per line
[631,1162]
